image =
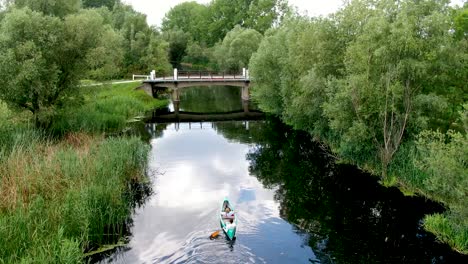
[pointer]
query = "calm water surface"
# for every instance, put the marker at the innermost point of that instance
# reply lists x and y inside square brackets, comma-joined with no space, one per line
[294,204]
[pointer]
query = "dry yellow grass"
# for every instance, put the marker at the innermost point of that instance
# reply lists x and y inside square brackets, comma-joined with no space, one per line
[28,172]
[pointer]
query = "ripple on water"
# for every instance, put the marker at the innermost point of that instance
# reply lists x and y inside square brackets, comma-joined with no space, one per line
[198,248]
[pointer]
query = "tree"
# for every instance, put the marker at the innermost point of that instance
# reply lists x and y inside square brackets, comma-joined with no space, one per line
[156,57]
[236,49]
[178,41]
[197,55]
[387,68]
[59,8]
[266,67]
[208,24]
[290,75]
[138,41]
[42,57]
[263,14]
[190,18]
[105,61]
[366,81]
[99,3]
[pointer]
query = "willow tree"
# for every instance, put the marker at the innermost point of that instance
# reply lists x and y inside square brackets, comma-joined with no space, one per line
[236,49]
[388,68]
[42,58]
[59,8]
[191,18]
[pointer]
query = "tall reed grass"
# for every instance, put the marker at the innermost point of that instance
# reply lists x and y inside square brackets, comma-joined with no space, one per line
[61,196]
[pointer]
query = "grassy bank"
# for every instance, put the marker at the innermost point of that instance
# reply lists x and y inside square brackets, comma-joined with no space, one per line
[104,109]
[70,192]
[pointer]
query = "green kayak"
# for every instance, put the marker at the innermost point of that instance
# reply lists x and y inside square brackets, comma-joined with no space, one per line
[228,219]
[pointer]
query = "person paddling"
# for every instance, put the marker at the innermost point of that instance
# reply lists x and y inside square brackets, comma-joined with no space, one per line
[231,224]
[227,213]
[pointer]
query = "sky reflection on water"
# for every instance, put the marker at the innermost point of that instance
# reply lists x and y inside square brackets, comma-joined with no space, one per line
[197,168]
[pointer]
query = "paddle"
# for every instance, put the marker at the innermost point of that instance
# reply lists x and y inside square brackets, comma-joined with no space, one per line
[215,234]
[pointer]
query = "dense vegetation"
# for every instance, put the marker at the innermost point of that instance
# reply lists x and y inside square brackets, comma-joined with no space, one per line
[108,38]
[384,84]
[69,188]
[71,164]
[219,36]
[51,45]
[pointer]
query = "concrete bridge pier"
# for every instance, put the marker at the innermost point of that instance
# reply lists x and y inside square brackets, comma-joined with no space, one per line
[176,100]
[176,105]
[245,106]
[245,92]
[175,94]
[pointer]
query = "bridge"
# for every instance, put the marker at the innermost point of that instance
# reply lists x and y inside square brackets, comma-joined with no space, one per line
[185,79]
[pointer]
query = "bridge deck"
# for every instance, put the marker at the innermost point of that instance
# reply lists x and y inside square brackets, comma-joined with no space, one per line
[203,78]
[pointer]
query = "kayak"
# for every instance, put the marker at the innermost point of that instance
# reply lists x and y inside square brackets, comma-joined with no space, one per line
[228,219]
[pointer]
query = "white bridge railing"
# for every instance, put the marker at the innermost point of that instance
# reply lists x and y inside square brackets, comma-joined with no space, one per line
[178,75]
[147,77]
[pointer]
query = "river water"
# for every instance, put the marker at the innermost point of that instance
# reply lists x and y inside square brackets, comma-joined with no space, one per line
[294,203]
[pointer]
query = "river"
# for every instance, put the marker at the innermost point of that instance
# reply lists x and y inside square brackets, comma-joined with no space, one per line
[294,203]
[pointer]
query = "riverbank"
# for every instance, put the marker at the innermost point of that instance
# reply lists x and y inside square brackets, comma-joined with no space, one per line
[69,187]
[380,95]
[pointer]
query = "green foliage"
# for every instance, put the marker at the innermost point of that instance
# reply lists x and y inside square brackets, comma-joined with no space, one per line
[72,193]
[189,18]
[236,49]
[190,25]
[99,3]
[45,52]
[178,41]
[367,80]
[265,66]
[29,42]
[198,56]
[443,158]
[449,229]
[264,14]
[42,57]
[461,23]
[61,197]
[105,61]
[144,48]
[292,75]
[224,15]
[59,8]
[105,110]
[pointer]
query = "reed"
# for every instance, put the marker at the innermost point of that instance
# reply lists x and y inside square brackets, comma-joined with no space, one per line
[62,196]
[450,228]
